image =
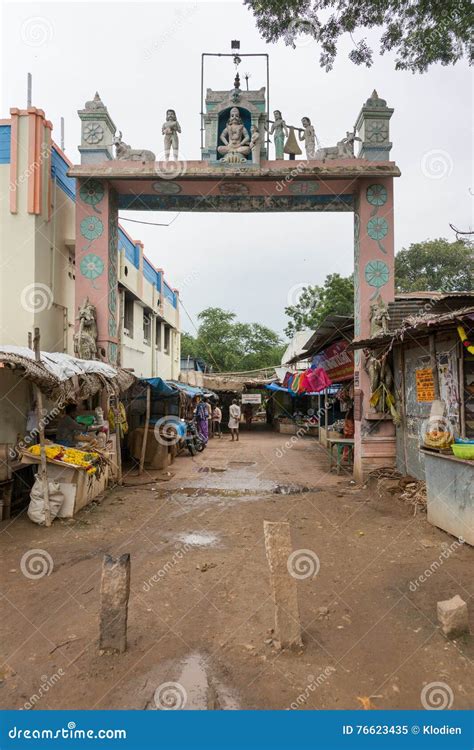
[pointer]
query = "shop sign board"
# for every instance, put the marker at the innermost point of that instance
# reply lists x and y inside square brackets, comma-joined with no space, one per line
[336,361]
[251,398]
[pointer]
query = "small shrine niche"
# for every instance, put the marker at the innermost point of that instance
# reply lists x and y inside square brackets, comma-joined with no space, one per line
[231,119]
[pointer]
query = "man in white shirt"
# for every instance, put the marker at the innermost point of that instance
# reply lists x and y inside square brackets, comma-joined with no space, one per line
[234,419]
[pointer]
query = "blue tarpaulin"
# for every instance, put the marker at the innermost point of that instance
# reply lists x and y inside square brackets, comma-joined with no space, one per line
[161,387]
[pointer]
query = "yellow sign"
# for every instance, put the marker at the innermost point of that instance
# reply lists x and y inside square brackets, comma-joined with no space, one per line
[425,385]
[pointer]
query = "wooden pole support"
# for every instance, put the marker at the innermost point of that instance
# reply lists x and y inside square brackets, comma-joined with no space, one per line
[145,429]
[114,594]
[287,619]
[43,470]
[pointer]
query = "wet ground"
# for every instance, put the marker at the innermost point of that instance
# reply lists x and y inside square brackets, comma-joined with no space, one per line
[201,617]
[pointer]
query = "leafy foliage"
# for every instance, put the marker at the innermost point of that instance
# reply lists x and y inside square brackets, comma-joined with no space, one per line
[435,265]
[315,303]
[420,32]
[230,346]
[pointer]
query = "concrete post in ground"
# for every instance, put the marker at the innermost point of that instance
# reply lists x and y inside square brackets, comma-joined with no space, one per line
[453,617]
[114,593]
[287,619]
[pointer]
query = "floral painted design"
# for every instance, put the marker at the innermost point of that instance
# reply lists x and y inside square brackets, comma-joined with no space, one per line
[377,195]
[91,228]
[377,131]
[377,274]
[92,192]
[92,267]
[377,228]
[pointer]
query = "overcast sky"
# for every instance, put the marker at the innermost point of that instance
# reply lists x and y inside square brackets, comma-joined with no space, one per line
[145,57]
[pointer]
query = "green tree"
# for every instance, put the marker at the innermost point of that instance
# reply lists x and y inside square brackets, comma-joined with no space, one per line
[315,303]
[228,345]
[435,265]
[419,32]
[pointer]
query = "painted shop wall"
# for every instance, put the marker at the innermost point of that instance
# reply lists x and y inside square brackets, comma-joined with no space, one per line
[416,353]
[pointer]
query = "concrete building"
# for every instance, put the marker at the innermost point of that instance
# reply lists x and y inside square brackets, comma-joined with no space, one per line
[39,254]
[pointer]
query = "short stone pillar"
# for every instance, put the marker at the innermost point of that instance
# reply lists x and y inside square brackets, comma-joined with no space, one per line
[287,619]
[114,593]
[453,617]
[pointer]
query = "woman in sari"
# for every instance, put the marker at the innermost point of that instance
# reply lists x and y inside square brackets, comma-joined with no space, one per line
[202,419]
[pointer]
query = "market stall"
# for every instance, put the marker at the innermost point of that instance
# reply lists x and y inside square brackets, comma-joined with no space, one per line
[44,384]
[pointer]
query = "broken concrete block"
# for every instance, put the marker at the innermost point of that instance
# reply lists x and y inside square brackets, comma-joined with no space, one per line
[114,593]
[453,617]
[287,619]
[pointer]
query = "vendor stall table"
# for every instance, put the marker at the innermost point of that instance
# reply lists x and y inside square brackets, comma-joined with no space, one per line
[78,487]
[450,493]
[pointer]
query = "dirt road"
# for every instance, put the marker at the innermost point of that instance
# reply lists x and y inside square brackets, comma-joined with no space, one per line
[201,614]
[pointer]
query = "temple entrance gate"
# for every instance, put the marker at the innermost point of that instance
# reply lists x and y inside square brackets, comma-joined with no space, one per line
[242,180]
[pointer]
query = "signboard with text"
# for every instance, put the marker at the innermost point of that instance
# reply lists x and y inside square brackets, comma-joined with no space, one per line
[336,361]
[251,398]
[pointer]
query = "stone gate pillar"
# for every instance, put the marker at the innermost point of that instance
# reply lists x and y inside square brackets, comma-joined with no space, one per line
[373,276]
[96,259]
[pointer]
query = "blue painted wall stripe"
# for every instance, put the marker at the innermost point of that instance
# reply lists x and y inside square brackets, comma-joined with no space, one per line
[59,169]
[5,141]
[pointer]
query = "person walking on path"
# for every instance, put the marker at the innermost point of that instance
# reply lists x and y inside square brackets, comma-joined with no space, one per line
[234,419]
[216,420]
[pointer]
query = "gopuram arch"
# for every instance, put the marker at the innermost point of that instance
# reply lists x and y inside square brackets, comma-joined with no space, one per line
[235,174]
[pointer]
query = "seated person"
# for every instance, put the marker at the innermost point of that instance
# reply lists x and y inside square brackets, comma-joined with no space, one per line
[69,432]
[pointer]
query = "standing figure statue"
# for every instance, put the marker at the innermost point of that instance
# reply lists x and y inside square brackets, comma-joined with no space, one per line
[255,145]
[235,138]
[170,130]
[279,130]
[308,135]
[85,340]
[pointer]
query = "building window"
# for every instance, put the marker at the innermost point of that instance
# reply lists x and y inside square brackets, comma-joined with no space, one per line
[146,328]
[158,335]
[128,316]
[166,347]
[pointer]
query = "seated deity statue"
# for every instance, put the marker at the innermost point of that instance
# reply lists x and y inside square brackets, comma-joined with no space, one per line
[235,138]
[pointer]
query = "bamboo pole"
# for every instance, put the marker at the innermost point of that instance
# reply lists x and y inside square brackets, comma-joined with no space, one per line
[145,430]
[39,410]
[118,447]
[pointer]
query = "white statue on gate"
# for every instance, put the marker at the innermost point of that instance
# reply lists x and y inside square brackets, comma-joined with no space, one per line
[235,138]
[170,130]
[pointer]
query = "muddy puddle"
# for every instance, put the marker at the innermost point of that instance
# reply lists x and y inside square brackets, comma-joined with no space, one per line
[199,539]
[191,685]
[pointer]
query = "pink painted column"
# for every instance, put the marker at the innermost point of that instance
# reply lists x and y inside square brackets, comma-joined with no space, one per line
[373,277]
[96,259]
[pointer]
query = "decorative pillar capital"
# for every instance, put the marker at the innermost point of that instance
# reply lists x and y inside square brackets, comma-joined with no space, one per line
[373,128]
[97,132]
